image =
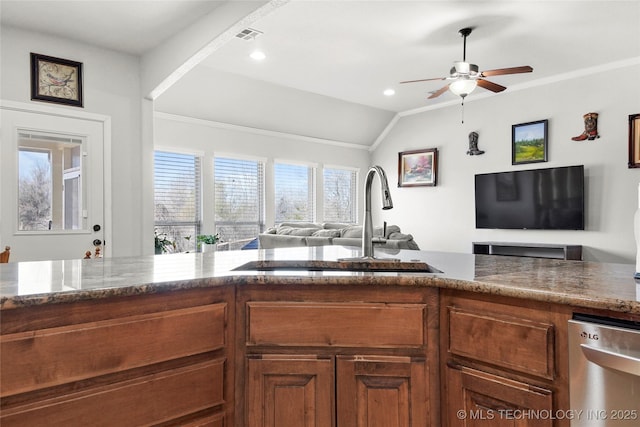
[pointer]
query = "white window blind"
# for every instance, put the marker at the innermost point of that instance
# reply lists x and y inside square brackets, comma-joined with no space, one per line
[340,195]
[239,200]
[294,192]
[177,195]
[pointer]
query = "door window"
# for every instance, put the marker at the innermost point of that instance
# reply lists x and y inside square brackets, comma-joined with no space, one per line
[50,188]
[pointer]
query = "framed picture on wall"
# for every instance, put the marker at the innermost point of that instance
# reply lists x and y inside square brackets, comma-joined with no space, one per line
[418,168]
[634,141]
[56,80]
[529,142]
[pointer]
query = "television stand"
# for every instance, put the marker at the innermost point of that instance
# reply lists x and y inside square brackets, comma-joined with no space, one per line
[536,250]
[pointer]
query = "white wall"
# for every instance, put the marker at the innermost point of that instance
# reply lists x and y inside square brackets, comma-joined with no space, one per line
[442,217]
[111,88]
[210,94]
[209,139]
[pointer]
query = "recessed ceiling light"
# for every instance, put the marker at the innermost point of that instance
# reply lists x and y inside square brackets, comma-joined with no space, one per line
[389,92]
[257,55]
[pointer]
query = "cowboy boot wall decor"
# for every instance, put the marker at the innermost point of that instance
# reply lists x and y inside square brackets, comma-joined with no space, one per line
[590,128]
[473,145]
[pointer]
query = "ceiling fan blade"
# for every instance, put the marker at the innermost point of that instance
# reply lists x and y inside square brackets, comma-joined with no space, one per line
[424,80]
[503,71]
[439,92]
[493,87]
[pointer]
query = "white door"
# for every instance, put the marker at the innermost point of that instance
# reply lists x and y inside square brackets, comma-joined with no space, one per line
[51,184]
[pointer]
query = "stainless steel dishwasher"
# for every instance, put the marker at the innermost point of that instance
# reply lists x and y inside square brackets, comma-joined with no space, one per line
[604,372]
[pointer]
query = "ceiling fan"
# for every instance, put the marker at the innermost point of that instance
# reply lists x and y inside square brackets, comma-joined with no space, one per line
[464,77]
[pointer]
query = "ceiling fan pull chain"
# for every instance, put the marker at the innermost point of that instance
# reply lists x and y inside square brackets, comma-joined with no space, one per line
[462,110]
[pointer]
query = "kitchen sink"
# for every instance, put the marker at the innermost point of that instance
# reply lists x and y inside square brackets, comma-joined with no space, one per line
[362,265]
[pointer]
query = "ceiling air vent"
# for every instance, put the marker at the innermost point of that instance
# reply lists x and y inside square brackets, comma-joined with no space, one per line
[248,34]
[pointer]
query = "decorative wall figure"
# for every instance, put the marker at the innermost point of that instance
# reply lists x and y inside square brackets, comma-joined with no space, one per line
[473,145]
[590,128]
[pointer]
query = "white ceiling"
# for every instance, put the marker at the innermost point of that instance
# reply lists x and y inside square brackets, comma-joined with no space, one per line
[350,51]
[126,26]
[353,50]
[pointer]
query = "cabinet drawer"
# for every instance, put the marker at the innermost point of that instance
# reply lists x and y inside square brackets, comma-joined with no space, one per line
[336,324]
[49,357]
[510,342]
[142,401]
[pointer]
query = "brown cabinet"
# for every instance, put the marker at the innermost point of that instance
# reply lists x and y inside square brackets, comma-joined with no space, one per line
[127,361]
[478,398]
[281,355]
[381,391]
[338,358]
[290,391]
[504,361]
[363,390]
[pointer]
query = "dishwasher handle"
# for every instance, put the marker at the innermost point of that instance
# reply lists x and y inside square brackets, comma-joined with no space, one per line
[609,359]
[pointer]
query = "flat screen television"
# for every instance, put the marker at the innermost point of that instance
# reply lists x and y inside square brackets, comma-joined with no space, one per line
[536,199]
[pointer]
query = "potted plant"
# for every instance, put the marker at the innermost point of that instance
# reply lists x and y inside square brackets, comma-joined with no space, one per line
[162,243]
[207,242]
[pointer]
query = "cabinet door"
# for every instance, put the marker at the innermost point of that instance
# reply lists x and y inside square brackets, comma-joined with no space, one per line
[290,391]
[476,398]
[381,391]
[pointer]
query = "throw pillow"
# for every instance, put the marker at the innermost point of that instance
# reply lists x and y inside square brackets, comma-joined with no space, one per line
[327,233]
[354,231]
[293,231]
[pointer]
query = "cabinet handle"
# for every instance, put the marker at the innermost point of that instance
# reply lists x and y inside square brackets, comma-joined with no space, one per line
[613,360]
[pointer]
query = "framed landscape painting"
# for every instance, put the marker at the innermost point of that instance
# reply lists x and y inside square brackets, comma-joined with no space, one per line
[529,142]
[418,168]
[634,141]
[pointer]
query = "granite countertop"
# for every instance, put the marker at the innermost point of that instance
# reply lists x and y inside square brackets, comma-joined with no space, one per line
[576,283]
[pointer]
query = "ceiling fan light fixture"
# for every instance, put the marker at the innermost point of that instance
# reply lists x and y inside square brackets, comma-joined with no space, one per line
[464,68]
[463,87]
[464,76]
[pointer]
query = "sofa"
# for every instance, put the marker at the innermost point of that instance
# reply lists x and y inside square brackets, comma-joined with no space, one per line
[292,234]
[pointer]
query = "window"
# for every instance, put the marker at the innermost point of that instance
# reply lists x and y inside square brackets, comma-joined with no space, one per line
[294,192]
[340,194]
[50,193]
[177,198]
[239,200]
